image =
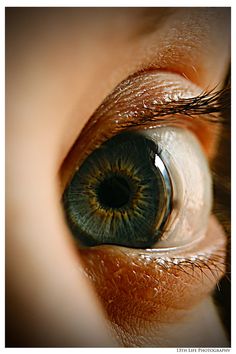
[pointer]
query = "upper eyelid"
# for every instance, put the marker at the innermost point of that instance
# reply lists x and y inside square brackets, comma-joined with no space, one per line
[206,103]
[124,108]
[203,106]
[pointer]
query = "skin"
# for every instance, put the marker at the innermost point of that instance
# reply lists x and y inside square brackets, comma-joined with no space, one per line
[60,65]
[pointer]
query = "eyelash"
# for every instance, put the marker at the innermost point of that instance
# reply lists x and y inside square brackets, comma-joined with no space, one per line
[206,106]
[201,261]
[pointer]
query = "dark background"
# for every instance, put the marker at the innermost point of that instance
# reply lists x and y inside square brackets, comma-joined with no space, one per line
[221,170]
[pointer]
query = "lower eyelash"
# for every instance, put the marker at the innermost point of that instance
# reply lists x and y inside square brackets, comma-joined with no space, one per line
[214,262]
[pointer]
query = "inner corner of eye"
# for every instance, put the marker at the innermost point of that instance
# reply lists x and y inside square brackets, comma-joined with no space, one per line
[125,192]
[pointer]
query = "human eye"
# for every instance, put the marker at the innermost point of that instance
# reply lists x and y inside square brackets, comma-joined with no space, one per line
[137,196]
[83,86]
[142,182]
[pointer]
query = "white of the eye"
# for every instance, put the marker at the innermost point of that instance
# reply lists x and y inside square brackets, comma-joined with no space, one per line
[188,168]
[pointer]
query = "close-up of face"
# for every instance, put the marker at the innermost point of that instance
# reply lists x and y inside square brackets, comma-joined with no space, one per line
[118,177]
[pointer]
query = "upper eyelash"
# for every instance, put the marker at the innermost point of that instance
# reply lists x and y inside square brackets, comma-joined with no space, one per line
[207,105]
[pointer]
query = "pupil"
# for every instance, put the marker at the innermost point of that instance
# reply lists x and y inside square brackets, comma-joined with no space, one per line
[114,192]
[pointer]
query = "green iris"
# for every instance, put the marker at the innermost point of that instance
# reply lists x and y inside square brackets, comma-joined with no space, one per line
[119,195]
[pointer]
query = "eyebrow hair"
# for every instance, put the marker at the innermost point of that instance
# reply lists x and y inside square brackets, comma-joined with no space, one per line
[205,106]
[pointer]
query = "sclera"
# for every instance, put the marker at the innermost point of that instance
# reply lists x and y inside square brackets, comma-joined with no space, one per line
[191,181]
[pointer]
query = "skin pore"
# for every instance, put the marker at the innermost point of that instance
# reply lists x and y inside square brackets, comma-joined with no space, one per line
[60,66]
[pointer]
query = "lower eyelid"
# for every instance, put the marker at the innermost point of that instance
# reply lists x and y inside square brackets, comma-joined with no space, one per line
[140,289]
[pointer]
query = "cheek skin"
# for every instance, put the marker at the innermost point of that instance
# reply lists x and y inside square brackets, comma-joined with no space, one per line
[141,292]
